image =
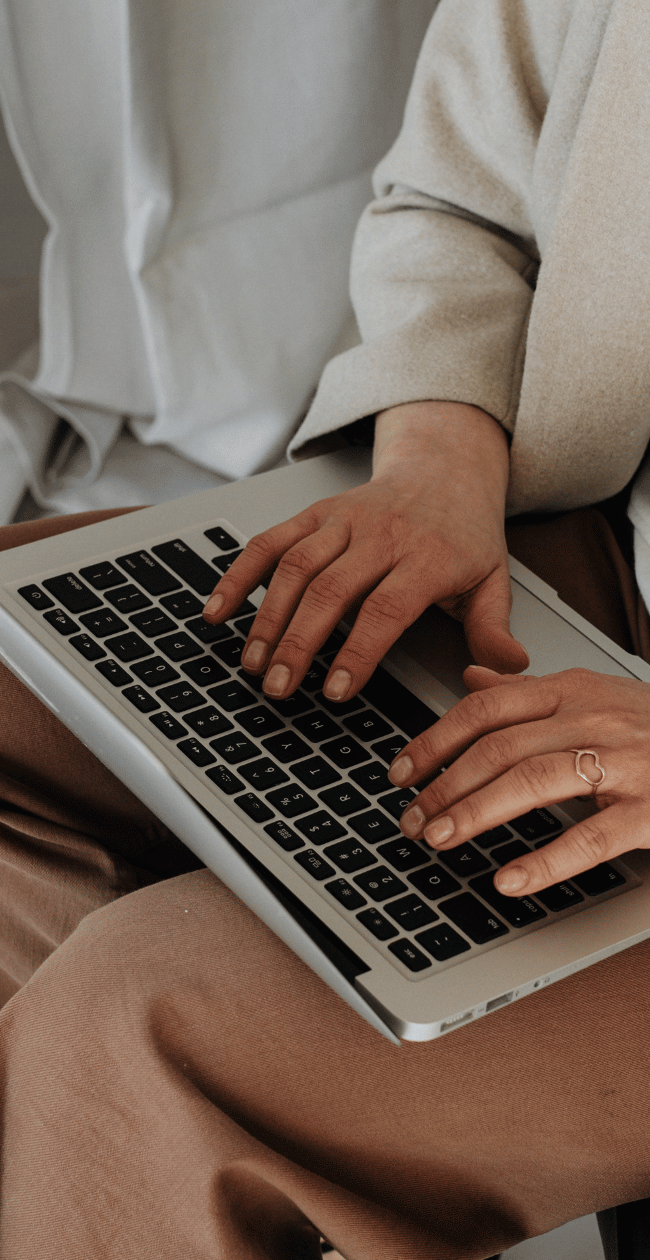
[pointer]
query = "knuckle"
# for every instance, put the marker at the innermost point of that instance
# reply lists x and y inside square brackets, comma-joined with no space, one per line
[384,607]
[477,710]
[296,565]
[535,774]
[260,550]
[590,842]
[329,590]
[496,749]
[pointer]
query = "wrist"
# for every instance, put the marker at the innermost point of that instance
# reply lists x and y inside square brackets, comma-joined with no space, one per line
[443,434]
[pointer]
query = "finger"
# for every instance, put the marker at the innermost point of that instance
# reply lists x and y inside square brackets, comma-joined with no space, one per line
[477,714]
[323,604]
[537,781]
[486,621]
[604,836]
[520,749]
[386,612]
[260,555]
[479,677]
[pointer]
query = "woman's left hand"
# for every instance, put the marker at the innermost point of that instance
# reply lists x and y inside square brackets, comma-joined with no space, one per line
[509,747]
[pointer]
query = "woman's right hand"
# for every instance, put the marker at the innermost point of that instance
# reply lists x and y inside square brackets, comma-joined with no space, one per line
[427,528]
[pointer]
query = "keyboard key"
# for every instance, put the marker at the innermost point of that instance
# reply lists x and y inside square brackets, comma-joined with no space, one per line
[372,778]
[345,752]
[180,697]
[367,725]
[287,747]
[128,599]
[334,643]
[178,646]
[317,727]
[199,755]
[346,894]
[509,852]
[389,749]
[293,706]
[146,571]
[313,862]
[182,605]
[559,897]
[396,802]
[442,942]
[315,677]
[103,622]
[410,912]
[244,625]
[204,671]
[225,779]
[517,911]
[254,681]
[88,648]
[535,824]
[263,774]
[599,879]
[404,855]
[72,593]
[129,647]
[232,696]
[377,924]
[496,835]
[434,882]
[102,575]
[473,918]
[114,673]
[246,606]
[344,800]
[284,836]
[152,622]
[141,699]
[315,773]
[350,856]
[221,538]
[464,860]
[168,725]
[380,883]
[397,703]
[374,826]
[208,722]
[234,748]
[206,632]
[412,958]
[155,671]
[223,563]
[230,650]
[254,807]
[36,597]
[320,827]
[339,707]
[260,721]
[186,564]
[61,621]
[291,801]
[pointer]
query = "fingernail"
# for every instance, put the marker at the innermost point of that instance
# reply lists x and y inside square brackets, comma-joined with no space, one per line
[511,880]
[337,687]
[254,655]
[485,667]
[401,770]
[439,831]
[277,680]
[412,821]
[214,605]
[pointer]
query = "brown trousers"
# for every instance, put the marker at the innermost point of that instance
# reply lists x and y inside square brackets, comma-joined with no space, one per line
[176,1083]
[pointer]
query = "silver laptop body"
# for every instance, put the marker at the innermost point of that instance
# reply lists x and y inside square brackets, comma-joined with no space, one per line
[407,960]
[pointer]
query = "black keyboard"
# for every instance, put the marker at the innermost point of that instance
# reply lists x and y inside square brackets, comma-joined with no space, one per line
[309,775]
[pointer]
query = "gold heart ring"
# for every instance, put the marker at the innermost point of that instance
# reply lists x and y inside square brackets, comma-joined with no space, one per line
[589,752]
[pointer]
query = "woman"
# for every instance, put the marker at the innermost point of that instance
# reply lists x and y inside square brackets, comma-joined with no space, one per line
[174,1081]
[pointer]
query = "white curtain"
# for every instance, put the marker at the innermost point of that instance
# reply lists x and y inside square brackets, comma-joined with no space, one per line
[201,165]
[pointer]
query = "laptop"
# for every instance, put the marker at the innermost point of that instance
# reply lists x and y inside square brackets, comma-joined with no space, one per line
[288,802]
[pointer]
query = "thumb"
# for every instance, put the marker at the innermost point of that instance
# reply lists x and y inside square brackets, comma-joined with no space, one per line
[487,625]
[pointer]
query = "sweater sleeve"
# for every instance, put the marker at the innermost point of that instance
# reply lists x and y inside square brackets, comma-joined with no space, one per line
[445,258]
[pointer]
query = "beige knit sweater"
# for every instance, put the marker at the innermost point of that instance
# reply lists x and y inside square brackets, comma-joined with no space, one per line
[526,138]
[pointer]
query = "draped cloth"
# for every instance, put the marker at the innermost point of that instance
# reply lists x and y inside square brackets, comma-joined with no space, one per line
[201,168]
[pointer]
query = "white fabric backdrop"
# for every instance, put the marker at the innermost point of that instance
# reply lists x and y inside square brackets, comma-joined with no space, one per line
[201,166]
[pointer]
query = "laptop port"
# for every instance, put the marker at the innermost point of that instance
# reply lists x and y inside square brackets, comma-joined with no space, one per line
[455,1021]
[499,1001]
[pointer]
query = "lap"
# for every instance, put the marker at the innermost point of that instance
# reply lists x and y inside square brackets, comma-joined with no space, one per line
[241,1062]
